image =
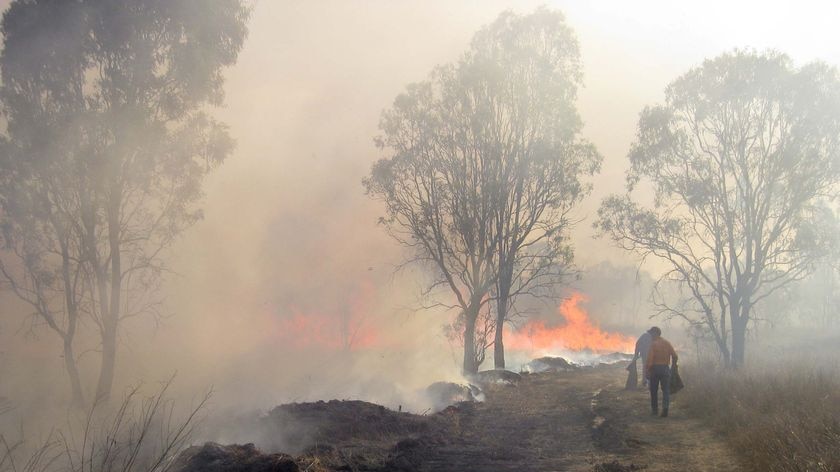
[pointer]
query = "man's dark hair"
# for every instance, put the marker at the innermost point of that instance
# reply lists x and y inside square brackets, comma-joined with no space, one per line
[655,331]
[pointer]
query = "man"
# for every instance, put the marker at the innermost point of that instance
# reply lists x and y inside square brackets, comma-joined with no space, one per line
[642,348]
[658,371]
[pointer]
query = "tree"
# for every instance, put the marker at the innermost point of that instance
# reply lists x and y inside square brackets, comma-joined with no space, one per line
[105,148]
[527,71]
[436,188]
[740,158]
[485,166]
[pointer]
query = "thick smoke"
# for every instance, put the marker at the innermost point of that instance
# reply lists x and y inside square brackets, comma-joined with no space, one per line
[288,289]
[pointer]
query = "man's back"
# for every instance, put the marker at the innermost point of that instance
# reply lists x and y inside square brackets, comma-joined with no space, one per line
[660,352]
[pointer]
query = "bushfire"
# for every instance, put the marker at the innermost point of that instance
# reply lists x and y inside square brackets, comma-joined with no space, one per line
[347,326]
[331,325]
[576,334]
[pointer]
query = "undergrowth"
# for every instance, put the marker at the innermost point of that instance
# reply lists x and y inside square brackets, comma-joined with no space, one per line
[777,419]
[139,434]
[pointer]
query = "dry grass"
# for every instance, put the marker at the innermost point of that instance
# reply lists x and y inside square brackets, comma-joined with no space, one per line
[776,419]
[138,435]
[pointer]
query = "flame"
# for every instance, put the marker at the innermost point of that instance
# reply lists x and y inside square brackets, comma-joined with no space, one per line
[342,326]
[578,333]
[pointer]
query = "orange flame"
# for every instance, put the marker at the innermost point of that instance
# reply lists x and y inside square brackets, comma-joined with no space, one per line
[343,327]
[578,333]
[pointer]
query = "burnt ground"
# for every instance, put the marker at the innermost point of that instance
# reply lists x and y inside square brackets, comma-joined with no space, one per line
[580,420]
[577,421]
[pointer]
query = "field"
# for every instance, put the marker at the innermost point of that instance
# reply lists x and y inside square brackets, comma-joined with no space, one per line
[777,418]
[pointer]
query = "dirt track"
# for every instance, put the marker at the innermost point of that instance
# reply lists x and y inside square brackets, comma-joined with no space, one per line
[575,421]
[582,420]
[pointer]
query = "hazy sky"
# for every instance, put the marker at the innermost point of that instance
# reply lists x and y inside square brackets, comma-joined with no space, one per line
[288,230]
[286,219]
[305,98]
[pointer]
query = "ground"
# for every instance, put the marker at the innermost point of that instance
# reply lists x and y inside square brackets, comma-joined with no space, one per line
[581,420]
[577,421]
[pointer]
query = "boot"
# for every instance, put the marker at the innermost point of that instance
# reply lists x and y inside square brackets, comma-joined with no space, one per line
[654,412]
[665,413]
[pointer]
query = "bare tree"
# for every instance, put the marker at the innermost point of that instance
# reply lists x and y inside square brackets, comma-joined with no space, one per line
[739,159]
[107,135]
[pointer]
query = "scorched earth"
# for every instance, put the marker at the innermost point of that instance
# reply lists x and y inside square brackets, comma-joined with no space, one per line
[578,419]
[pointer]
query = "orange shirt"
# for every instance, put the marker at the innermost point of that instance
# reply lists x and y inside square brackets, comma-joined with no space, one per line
[660,353]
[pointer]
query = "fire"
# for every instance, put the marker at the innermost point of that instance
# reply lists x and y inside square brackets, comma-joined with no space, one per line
[332,326]
[578,333]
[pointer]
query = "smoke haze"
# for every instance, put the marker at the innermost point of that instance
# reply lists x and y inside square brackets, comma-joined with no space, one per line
[290,246]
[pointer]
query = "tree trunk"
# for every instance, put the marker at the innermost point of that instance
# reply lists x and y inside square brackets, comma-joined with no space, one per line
[470,366]
[499,344]
[77,399]
[71,308]
[501,317]
[722,337]
[502,305]
[109,360]
[112,316]
[739,337]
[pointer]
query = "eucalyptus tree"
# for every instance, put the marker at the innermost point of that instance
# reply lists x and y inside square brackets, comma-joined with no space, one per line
[742,159]
[526,73]
[484,165]
[436,188]
[107,141]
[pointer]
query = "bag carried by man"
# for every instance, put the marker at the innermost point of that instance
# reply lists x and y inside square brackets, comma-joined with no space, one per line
[676,380]
[632,377]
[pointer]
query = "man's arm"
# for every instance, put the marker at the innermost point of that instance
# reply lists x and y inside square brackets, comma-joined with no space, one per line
[673,354]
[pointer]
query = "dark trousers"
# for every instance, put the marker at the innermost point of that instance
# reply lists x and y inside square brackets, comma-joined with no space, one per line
[660,375]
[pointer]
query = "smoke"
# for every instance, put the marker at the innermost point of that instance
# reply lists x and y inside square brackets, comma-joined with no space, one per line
[288,289]
[289,246]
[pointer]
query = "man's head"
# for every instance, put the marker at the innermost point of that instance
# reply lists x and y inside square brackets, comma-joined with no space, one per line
[655,332]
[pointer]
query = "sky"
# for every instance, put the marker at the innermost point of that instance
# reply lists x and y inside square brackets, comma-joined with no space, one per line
[307,92]
[288,233]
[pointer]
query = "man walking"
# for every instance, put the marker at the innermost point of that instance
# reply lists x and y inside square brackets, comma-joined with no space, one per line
[658,371]
[642,348]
